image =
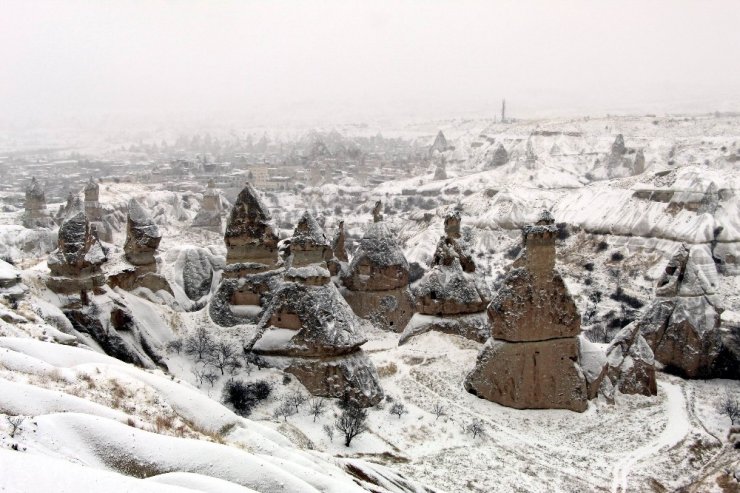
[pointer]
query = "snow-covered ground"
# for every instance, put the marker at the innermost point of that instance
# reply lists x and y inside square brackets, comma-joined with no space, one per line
[91,419]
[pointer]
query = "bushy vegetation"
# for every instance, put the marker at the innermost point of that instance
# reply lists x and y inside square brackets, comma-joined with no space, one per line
[243,397]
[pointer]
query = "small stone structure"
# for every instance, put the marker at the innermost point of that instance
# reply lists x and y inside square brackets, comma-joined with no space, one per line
[35,214]
[377,280]
[532,358]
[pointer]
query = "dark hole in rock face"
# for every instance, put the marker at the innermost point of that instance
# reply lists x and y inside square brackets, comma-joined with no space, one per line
[670,270]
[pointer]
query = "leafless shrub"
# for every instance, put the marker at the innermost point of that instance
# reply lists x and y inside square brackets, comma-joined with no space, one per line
[284,410]
[438,410]
[15,422]
[329,431]
[316,407]
[296,399]
[199,343]
[475,428]
[398,409]
[730,406]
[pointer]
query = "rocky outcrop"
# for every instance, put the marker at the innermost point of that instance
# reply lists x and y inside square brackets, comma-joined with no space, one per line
[309,330]
[624,161]
[339,251]
[209,215]
[532,359]
[683,324]
[309,245]
[630,363]
[250,235]
[378,212]
[35,214]
[449,297]
[75,264]
[241,299]
[11,285]
[142,236]
[440,144]
[530,157]
[500,156]
[93,210]
[377,280]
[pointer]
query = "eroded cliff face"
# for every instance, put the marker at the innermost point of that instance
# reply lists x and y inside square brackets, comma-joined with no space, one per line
[683,324]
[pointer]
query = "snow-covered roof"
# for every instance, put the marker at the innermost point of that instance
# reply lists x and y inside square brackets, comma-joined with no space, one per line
[328,324]
[379,247]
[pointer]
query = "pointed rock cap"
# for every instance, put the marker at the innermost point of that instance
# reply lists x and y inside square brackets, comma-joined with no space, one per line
[338,244]
[500,156]
[618,147]
[378,212]
[34,189]
[325,324]
[91,185]
[544,218]
[248,208]
[308,231]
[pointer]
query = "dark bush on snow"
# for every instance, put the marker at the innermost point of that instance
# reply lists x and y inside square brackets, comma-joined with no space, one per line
[601,246]
[244,396]
[617,257]
[563,233]
[512,252]
[621,296]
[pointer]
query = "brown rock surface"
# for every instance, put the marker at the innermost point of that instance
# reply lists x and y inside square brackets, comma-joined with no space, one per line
[309,244]
[533,358]
[530,375]
[250,235]
[630,363]
[142,235]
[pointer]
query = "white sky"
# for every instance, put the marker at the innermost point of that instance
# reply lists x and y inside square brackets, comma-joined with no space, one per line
[344,59]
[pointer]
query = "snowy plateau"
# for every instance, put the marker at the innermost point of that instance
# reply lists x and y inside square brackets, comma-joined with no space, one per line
[98,391]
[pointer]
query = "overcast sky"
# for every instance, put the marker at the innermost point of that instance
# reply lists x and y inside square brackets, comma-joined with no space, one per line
[352,60]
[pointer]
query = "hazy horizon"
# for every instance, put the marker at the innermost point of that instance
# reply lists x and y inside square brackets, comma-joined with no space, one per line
[263,62]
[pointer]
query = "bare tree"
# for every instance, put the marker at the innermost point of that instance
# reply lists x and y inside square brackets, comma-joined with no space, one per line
[316,407]
[15,423]
[284,410]
[352,422]
[199,343]
[438,410]
[210,378]
[398,409]
[222,355]
[296,399]
[199,374]
[730,407]
[329,432]
[175,345]
[475,428]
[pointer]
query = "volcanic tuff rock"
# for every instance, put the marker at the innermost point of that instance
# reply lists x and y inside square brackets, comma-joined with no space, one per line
[500,156]
[93,210]
[209,215]
[450,291]
[532,360]
[250,236]
[75,264]
[440,144]
[377,280]
[311,331]
[530,375]
[630,363]
[35,214]
[309,244]
[682,324]
[142,235]
[623,161]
